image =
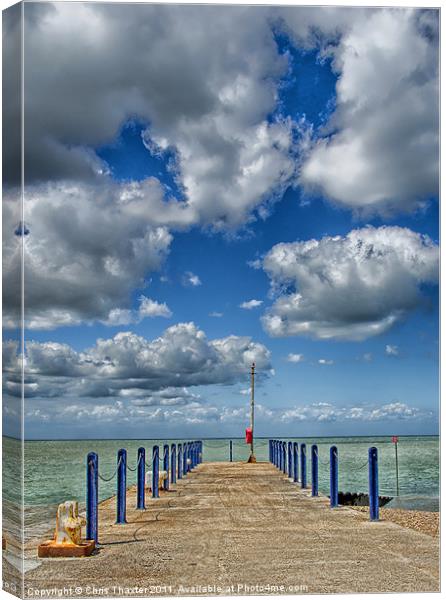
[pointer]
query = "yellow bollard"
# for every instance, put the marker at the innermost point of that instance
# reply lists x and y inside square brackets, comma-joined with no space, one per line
[67,540]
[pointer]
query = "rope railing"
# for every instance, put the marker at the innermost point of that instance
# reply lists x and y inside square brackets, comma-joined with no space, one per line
[107,479]
[173,465]
[291,459]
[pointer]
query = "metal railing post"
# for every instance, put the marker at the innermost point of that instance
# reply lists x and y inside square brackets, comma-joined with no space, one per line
[92,496]
[334,477]
[296,462]
[141,467]
[185,456]
[166,466]
[314,471]
[303,465]
[284,457]
[180,461]
[155,471]
[121,488]
[173,463]
[373,484]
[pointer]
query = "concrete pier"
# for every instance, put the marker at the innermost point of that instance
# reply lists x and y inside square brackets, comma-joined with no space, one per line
[235,528]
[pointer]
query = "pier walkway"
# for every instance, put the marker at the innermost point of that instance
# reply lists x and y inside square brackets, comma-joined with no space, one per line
[235,528]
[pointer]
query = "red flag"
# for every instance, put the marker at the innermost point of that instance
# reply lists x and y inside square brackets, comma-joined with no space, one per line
[395,439]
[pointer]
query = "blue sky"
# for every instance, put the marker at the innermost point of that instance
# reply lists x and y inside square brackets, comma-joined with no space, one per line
[360,358]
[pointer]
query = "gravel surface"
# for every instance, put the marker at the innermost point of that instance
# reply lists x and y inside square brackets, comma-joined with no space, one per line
[423,521]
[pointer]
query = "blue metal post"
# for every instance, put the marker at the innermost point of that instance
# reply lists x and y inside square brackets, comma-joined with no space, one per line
[296,461]
[290,460]
[275,453]
[173,463]
[284,457]
[279,452]
[189,456]
[230,450]
[314,471]
[155,471]
[180,461]
[92,496]
[185,453]
[166,466]
[195,454]
[121,487]
[333,477]
[141,466]
[303,465]
[373,484]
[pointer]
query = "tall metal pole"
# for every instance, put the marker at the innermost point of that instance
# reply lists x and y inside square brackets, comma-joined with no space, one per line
[396,467]
[252,457]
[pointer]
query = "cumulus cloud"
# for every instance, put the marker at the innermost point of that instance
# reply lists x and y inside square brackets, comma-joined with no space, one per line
[209,98]
[250,304]
[326,411]
[350,287]
[392,350]
[148,308]
[380,149]
[129,365]
[185,410]
[205,94]
[190,279]
[88,248]
[325,361]
[295,358]
[215,314]
[152,308]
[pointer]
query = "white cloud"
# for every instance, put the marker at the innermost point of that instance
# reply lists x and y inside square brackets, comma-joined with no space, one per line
[350,287]
[186,409]
[152,308]
[255,264]
[250,304]
[148,308]
[216,314]
[129,365]
[325,361]
[88,248]
[367,357]
[295,358]
[189,279]
[207,94]
[380,149]
[392,350]
[326,411]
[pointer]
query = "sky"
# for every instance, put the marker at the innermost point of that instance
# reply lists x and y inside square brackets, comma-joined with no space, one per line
[207,187]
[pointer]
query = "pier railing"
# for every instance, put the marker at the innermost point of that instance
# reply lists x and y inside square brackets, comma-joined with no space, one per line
[176,461]
[291,459]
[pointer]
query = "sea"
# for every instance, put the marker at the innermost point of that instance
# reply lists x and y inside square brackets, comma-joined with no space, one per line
[55,470]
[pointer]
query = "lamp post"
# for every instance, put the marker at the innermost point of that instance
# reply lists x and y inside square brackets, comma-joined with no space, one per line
[252,458]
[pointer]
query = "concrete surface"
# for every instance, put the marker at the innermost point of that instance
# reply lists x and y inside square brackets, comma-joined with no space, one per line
[234,528]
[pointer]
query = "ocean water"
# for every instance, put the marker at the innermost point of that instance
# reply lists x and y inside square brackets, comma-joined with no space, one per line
[55,470]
